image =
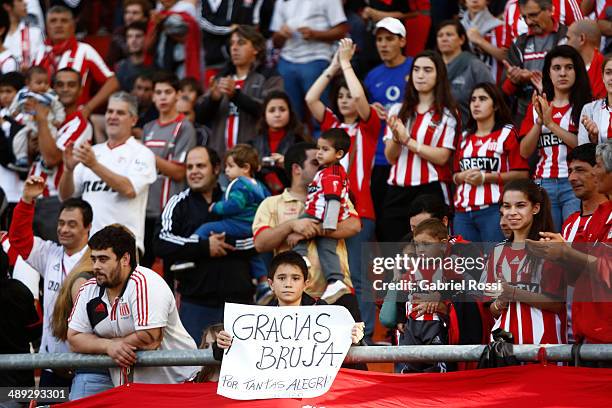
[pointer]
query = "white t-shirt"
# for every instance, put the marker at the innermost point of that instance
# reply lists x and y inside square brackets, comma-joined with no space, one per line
[8,63]
[181,7]
[146,302]
[319,15]
[24,43]
[53,264]
[132,160]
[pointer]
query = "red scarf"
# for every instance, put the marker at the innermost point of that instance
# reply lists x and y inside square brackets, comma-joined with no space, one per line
[50,59]
[192,45]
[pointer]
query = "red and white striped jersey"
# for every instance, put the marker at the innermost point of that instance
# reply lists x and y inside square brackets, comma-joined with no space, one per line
[146,302]
[599,112]
[330,181]
[431,129]
[574,226]
[82,58]
[528,324]
[497,152]
[423,276]
[497,39]
[233,117]
[552,151]
[75,130]
[564,11]
[359,160]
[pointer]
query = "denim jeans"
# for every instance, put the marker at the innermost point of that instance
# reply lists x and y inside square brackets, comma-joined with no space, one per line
[298,78]
[358,276]
[563,202]
[85,384]
[196,318]
[479,226]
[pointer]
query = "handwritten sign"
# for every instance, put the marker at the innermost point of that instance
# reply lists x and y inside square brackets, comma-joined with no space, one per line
[283,352]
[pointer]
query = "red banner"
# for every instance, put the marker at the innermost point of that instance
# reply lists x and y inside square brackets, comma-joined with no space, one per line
[530,385]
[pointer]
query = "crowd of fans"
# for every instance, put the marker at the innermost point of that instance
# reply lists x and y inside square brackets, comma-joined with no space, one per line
[215,135]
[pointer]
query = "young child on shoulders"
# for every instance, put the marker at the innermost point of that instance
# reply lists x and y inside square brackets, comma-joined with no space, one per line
[238,208]
[328,203]
[37,88]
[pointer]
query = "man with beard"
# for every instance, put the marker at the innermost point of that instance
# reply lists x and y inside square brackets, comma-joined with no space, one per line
[125,308]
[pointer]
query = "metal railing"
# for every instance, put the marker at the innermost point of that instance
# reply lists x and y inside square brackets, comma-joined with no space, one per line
[377,354]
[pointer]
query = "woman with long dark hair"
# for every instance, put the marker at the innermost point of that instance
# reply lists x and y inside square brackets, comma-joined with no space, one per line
[420,138]
[351,111]
[278,128]
[529,301]
[551,124]
[487,157]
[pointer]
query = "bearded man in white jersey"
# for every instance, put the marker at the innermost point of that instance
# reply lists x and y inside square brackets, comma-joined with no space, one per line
[125,308]
[114,176]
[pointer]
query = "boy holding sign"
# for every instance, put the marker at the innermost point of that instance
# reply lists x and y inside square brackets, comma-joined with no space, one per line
[288,277]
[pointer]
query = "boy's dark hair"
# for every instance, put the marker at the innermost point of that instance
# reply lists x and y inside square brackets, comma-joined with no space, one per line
[432,227]
[165,77]
[252,34]
[144,4]
[137,25]
[244,154]
[430,204]
[584,153]
[68,69]
[79,203]
[5,22]
[15,80]
[296,154]
[36,69]
[145,75]
[118,239]
[339,139]
[192,83]
[288,258]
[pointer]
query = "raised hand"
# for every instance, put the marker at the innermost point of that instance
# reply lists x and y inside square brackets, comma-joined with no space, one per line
[32,188]
[346,50]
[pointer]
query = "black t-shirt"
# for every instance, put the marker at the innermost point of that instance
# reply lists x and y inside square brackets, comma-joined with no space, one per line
[17,328]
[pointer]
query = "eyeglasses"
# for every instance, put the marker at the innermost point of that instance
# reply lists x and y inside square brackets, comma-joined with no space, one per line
[532,16]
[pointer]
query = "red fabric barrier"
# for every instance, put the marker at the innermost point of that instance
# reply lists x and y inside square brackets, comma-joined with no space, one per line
[533,385]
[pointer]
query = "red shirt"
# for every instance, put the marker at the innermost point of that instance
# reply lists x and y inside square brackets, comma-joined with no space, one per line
[552,151]
[592,321]
[497,152]
[233,116]
[595,76]
[274,138]
[574,226]
[329,182]
[359,160]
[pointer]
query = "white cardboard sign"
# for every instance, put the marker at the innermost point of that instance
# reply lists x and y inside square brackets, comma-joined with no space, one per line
[283,352]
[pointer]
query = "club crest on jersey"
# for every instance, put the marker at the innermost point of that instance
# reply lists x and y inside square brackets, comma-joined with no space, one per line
[124,310]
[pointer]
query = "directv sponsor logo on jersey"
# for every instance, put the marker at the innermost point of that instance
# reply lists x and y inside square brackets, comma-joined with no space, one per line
[96,186]
[482,163]
[549,140]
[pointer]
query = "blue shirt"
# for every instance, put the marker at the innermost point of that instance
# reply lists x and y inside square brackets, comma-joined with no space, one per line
[386,86]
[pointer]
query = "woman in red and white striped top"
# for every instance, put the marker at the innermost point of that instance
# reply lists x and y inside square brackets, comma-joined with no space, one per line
[420,138]
[550,126]
[531,301]
[488,156]
[351,111]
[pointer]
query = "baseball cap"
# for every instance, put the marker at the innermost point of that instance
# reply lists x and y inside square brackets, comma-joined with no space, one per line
[393,25]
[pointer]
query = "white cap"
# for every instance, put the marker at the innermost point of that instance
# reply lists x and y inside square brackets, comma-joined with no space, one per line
[393,25]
